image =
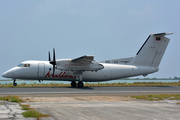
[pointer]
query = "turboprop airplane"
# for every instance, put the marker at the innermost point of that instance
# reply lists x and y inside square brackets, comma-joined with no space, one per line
[85,69]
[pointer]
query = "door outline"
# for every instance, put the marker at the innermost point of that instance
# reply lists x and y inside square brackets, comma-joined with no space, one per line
[41,70]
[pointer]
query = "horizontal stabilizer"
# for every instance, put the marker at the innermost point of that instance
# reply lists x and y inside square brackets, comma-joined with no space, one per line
[162,34]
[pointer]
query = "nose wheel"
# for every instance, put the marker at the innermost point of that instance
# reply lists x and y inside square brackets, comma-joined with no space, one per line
[14,83]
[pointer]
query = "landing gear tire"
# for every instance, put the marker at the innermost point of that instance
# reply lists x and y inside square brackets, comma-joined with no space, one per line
[73,84]
[80,84]
[15,84]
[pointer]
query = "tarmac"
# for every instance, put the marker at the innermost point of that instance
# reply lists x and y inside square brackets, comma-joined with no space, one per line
[89,90]
[98,103]
[109,110]
[96,110]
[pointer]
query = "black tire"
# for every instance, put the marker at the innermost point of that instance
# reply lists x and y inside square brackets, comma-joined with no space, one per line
[73,84]
[80,84]
[15,84]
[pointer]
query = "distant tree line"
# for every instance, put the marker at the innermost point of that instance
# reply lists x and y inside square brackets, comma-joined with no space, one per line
[154,78]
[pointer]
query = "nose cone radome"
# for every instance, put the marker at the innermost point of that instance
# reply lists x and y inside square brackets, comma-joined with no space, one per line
[8,74]
[4,74]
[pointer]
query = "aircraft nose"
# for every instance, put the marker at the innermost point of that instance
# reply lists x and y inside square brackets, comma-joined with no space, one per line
[7,74]
[4,74]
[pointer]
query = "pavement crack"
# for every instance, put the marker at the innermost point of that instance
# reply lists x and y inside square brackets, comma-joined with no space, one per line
[11,112]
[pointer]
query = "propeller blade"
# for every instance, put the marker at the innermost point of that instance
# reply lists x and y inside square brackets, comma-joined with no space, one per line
[53,62]
[54,58]
[49,57]
[53,69]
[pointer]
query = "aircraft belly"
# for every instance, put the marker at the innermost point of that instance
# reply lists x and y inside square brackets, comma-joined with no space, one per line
[123,71]
[101,75]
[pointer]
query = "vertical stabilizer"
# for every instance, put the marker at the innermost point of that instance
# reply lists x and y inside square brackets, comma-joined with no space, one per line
[152,51]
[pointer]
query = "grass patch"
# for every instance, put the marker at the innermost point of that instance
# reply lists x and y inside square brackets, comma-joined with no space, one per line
[33,113]
[132,84]
[158,97]
[176,98]
[99,84]
[79,99]
[178,103]
[26,107]
[11,99]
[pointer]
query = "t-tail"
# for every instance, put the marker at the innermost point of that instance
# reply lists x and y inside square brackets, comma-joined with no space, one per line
[152,51]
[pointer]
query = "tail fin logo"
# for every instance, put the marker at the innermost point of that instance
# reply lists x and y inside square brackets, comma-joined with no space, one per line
[158,38]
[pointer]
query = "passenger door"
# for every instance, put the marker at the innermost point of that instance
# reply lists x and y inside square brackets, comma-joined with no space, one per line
[41,70]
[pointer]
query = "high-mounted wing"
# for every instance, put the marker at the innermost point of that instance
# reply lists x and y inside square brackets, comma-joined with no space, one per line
[83,63]
[84,59]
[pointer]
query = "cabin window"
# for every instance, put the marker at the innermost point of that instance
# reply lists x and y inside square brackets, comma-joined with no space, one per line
[24,65]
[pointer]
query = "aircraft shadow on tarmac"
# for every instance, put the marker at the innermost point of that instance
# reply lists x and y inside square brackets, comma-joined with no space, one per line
[83,88]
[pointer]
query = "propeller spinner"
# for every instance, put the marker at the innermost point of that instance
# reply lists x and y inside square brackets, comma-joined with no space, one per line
[53,62]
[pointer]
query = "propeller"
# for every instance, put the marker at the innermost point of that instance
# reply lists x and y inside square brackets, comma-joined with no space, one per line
[49,57]
[53,62]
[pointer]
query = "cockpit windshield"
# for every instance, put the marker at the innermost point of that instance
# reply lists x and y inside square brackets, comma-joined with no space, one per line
[23,65]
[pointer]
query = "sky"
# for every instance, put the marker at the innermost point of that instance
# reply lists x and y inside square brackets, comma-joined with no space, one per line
[107,29]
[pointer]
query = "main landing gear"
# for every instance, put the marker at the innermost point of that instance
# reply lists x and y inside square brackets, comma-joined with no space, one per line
[73,84]
[14,83]
[80,84]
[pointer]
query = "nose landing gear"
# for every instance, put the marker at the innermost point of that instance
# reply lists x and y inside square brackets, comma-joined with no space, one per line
[14,83]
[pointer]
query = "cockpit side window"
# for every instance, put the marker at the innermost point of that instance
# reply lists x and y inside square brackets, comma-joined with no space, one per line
[24,65]
[20,65]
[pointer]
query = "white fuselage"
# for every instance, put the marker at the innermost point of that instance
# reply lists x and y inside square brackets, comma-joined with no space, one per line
[42,70]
